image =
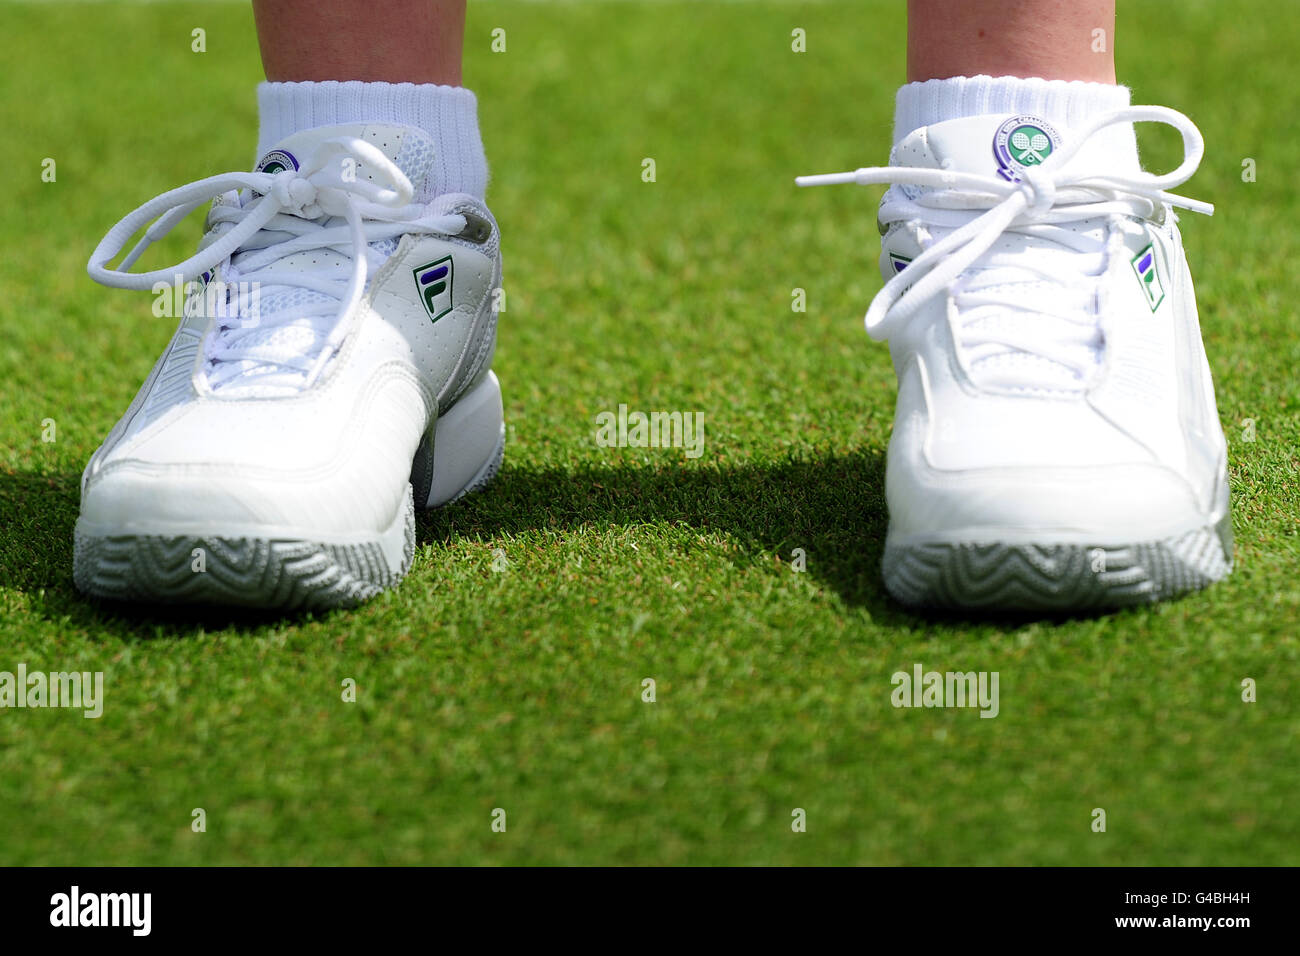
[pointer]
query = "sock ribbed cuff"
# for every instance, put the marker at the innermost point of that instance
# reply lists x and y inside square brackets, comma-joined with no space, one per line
[448,114]
[1063,102]
[1066,103]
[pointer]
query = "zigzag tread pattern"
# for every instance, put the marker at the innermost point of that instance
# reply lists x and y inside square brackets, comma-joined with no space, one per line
[1052,577]
[248,572]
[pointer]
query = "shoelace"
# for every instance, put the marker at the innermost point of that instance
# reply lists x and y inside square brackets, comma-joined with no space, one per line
[300,204]
[1041,204]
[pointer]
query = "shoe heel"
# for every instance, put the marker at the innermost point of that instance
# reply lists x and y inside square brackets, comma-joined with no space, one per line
[463,450]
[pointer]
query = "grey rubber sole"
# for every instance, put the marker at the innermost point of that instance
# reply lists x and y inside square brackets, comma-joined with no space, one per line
[288,574]
[282,574]
[1063,577]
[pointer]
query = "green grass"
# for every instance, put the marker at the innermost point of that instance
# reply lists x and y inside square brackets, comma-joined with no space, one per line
[521,689]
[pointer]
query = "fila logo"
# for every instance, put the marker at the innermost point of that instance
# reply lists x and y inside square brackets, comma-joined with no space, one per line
[1144,266]
[433,280]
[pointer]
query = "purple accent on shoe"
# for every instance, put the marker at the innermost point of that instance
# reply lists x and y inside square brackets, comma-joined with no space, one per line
[277,160]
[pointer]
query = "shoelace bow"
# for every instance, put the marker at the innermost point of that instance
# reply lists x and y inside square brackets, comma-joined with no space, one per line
[1046,196]
[297,203]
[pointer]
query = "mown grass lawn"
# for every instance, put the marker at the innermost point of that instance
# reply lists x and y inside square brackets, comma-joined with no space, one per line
[507,672]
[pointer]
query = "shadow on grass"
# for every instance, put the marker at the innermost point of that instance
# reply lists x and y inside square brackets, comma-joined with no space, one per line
[832,507]
[37,515]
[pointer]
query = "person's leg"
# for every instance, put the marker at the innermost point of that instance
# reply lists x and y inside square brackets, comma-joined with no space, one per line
[1052,39]
[349,62]
[406,41]
[1044,57]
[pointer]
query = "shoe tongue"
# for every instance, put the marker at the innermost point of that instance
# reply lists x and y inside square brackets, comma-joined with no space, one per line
[409,148]
[1005,146]
[413,153]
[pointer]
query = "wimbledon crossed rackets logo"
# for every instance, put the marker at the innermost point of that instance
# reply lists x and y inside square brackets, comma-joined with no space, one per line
[1021,142]
[277,161]
[1030,146]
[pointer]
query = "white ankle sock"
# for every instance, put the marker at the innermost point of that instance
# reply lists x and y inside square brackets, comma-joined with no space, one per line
[1063,103]
[449,114]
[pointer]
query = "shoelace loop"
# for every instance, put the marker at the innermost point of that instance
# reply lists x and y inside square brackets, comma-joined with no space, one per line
[1047,193]
[297,196]
[1040,192]
[327,186]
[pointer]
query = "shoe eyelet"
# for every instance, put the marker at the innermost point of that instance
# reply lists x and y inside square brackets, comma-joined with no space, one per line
[477,229]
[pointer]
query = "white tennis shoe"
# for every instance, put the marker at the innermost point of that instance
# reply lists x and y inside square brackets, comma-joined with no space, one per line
[330,374]
[1056,443]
